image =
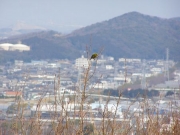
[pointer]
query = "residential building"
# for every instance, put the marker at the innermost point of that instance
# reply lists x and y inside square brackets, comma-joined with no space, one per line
[81,62]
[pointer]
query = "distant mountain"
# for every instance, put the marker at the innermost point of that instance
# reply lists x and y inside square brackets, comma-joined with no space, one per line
[18,29]
[132,35]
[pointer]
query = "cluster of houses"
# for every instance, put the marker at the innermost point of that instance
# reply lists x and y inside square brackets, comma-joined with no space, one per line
[38,79]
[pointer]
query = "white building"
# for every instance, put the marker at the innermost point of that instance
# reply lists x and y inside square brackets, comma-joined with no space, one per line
[101,61]
[109,67]
[14,47]
[129,60]
[122,79]
[110,58]
[160,63]
[156,70]
[140,74]
[5,46]
[18,63]
[82,62]
[104,85]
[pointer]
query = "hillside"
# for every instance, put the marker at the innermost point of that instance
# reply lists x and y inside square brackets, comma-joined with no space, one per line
[132,35]
[44,45]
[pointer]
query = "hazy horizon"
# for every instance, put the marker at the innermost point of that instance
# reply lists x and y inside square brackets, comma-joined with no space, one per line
[65,16]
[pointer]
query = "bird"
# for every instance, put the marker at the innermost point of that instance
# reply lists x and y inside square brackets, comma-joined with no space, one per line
[94,56]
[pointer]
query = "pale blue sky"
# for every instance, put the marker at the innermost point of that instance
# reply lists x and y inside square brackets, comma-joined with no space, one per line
[72,14]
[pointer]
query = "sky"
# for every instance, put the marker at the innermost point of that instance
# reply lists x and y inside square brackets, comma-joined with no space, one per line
[67,15]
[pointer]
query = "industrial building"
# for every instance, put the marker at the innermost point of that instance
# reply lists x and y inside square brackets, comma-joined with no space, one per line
[14,47]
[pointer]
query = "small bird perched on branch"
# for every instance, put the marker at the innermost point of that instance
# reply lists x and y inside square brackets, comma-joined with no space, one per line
[94,56]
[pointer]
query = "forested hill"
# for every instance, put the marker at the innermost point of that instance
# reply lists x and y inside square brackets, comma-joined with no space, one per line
[132,35]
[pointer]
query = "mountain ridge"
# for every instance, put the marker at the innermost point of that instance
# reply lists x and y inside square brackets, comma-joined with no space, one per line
[131,35]
[135,30]
[122,17]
